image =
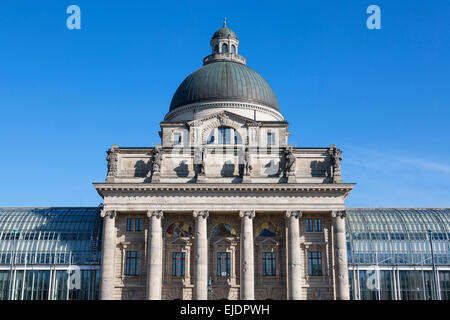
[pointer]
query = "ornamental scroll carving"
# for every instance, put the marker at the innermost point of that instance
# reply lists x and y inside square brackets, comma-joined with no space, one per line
[247,213]
[108,213]
[294,213]
[155,213]
[340,214]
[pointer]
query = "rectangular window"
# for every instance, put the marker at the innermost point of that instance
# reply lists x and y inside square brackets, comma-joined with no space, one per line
[223,264]
[318,225]
[134,224]
[314,225]
[129,224]
[178,263]
[177,138]
[138,225]
[315,263]
[270,139]
[268,264]
[224,135]
[309,225]
[132,263]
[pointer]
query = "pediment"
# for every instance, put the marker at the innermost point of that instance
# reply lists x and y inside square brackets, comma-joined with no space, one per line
[179,241]
[268,241]
[225,241]
[223,117]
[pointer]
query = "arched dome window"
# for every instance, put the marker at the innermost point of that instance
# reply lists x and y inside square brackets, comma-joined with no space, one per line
[224,136]
[233,48]
[224,48]
[216,48]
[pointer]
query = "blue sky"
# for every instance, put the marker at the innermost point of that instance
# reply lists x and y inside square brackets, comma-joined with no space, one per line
[382,96]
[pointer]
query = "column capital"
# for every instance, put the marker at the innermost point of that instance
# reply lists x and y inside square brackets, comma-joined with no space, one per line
[155,213]
[108,213]
[338,213]
[293,213]
[247,213]
[201,213]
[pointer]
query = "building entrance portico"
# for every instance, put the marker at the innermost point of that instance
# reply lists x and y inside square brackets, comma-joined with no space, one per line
[239,254]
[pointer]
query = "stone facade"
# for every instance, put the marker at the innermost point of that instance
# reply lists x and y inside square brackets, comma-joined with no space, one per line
[227,209]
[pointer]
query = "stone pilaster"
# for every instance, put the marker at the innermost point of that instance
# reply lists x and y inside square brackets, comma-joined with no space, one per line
[201,256]
[108,250]
[294,259]
[247,273]
[154,252]
[340,245]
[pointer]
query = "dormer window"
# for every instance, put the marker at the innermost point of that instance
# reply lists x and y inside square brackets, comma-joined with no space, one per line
[224,135]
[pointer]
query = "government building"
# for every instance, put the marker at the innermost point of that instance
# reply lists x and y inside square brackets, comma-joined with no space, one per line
[224,208]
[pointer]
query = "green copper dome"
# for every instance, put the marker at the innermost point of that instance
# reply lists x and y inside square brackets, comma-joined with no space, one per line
[224,81]
[224,32]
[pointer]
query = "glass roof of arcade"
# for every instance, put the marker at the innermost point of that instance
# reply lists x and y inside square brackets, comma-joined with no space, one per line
[397,236]
[50,235]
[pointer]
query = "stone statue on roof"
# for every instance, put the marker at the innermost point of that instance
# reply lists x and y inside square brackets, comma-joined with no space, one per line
[289,161]
[247,162]
[335,163]
[157,159]
[113,159]
[199,161]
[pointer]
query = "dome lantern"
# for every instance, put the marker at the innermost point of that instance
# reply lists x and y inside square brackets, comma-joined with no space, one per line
[224,46]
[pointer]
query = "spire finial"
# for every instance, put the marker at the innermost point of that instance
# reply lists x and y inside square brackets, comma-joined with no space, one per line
[224,22]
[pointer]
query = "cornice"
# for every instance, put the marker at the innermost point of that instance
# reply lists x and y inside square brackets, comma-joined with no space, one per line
[345,188]
[223,104]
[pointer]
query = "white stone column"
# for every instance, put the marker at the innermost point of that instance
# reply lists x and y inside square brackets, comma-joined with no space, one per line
[247,274]
[294,259]
[340,245]
[154,253]
[201,256]
[108,251]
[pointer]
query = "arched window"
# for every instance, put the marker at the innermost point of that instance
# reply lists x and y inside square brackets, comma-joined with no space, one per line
[224,48]
[224,136]
[216,48]
[233,48]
